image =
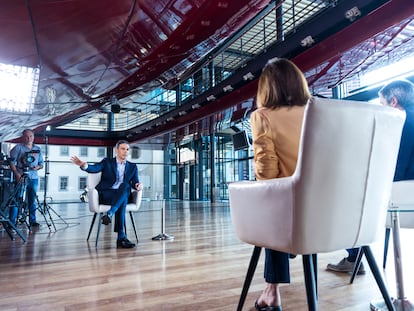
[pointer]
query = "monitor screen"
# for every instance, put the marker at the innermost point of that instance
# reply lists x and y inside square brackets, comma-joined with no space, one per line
[240,140]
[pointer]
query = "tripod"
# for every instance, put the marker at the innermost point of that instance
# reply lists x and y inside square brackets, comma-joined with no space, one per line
[15,204]
[43,207]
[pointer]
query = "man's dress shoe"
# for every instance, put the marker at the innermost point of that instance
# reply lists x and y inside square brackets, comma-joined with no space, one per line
[124,243]
[106,220]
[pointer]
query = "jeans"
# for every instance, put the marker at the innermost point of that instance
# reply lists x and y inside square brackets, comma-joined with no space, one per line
[118,199]
[31,186]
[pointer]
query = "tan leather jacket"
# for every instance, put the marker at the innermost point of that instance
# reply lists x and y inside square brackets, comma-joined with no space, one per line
[276,135]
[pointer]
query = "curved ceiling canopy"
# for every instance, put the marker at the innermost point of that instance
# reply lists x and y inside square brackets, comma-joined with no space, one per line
[88,51]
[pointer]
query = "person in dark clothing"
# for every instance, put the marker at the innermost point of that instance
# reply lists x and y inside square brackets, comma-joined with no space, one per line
[400,95]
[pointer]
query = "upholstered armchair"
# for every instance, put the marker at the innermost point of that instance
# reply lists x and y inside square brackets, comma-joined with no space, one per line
[99,209]
[336,198]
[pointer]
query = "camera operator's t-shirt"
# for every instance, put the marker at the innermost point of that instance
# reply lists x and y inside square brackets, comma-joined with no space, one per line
[23,158]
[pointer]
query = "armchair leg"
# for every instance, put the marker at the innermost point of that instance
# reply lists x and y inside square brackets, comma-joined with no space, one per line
[386,241]
[356,265]
[315,271]
[249,276]
[377,275]
[99,230]
[310,281]
[90,228]
[133,225]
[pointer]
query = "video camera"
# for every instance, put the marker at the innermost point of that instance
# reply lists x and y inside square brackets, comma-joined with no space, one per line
[5,172]
[4,160]
[29,157]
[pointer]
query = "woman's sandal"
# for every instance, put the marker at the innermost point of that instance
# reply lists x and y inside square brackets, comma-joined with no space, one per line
[266,308]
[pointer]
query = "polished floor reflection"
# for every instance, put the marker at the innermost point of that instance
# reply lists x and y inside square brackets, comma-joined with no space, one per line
[202,268]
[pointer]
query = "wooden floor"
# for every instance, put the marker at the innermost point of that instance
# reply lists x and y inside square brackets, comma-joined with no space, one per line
[202,268]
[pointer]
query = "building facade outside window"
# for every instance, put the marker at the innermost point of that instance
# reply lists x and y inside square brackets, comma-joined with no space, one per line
[83,151]
[64,151]
[82,183]
[63,183]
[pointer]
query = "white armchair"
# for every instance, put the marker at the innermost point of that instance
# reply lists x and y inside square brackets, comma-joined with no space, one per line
[337,196]
[99,209]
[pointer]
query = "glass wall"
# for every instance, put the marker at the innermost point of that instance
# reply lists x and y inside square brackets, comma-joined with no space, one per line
[195,170]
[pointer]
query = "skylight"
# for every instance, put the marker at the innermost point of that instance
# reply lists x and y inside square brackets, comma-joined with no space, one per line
[18,88]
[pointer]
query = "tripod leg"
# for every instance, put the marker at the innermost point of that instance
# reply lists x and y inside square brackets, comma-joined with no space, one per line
[8,225]
[41,209]
[49,208]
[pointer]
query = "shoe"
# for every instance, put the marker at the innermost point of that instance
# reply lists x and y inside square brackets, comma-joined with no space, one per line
[35,225]
[106,220]
[266,308]
[124,243]
[345,266]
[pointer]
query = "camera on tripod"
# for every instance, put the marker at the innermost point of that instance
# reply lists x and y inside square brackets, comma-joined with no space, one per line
[29,158]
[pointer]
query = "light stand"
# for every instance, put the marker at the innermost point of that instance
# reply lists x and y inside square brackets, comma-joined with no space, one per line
[163,235]
[45,208]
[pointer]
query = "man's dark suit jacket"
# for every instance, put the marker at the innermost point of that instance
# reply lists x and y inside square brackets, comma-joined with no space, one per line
[108,168]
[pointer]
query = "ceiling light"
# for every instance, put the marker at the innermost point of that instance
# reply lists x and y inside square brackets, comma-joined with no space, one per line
[352,14]
[196,106]
[182,113]
[170,119]
[211,98]
[115,107]
[228,88]
[248,76]
[308,41]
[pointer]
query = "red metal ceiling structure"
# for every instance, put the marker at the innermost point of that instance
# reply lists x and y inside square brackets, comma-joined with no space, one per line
[88,51]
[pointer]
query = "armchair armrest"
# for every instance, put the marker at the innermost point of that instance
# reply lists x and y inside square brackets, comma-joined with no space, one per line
[93,202]
[136,198]
[262,210]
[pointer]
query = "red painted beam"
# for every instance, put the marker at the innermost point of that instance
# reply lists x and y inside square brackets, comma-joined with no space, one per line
[391,13]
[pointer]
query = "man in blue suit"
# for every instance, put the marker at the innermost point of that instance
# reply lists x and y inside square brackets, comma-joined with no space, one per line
[118,177]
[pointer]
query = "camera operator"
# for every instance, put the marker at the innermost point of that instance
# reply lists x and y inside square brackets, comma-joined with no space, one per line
[26,160]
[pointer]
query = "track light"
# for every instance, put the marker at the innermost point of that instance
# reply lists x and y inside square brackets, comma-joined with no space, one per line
[248,76]
[308,41]
[228,88]
[352,13]
[211,98]
[115,107]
